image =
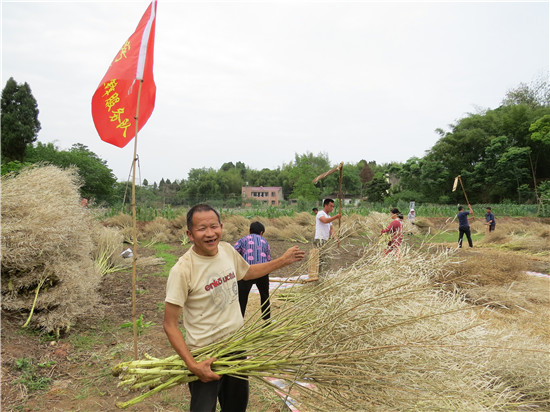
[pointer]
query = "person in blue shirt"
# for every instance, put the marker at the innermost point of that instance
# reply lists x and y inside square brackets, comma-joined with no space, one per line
[255,249]
[464,226]
[490,219]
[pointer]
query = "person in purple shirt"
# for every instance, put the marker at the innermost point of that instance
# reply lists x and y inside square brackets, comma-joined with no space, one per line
[255,249]
[464,226]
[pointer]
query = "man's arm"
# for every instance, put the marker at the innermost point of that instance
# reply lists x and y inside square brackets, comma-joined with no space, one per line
[329,219]
[172,314]
[294,254]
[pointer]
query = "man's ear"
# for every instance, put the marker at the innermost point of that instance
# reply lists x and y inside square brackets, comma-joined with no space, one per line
[190,235]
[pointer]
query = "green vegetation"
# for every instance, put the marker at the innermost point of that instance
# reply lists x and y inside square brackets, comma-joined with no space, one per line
[85,341]
[502,155]
[140,323]
[20,125]
[30,376]
[163,252]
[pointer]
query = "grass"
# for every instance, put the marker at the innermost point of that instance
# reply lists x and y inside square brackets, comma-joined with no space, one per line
[30,377]
[85,341]
[452,237]
[163,251]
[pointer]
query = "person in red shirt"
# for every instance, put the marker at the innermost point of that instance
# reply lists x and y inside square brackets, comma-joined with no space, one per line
[395,229]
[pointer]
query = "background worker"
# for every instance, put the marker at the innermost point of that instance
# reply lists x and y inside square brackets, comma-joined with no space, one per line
[490,219]
[412,216]
[324,232]
[203,285]
[395,229]
[464,226]
[315,211]
[254,249]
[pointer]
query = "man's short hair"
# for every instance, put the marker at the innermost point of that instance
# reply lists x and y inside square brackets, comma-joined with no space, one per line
[460,208]
[488,208]
[200,208]
[257,228]
[328,201]
[314,209]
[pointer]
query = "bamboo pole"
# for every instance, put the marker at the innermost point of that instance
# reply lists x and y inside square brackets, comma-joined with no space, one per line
[134,223]
[341,167]
[462,185]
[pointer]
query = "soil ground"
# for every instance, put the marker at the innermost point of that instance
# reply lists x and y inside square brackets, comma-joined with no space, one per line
[73,372]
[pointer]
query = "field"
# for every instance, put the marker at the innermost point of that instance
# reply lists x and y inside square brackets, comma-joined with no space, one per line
[72,372]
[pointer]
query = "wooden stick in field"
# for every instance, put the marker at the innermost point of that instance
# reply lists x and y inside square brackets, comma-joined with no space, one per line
[134,224]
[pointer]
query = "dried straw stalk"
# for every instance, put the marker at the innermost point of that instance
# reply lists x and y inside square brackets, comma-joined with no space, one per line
[375,336]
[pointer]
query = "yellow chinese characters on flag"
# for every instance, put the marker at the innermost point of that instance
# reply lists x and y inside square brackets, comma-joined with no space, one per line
[455,184]
[115,102]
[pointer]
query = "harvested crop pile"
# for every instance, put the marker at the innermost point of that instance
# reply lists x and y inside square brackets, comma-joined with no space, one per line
[47,266]
[374,336]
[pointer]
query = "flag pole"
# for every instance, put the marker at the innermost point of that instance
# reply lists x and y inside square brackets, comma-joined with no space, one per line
[340,199]
[134,223]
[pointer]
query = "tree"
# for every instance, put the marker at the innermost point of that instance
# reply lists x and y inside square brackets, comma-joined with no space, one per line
[535,94]
[366,174]
[377,189]
[20,125]
[98,180]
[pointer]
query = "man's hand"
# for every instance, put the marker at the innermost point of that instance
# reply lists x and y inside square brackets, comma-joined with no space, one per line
[203,371]
[294,254]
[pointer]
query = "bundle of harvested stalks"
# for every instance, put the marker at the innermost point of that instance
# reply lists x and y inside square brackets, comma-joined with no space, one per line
[47,268]
[292,233]
[375,336]
[107,248]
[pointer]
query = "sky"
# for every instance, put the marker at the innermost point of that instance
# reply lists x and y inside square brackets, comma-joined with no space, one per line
[259,81]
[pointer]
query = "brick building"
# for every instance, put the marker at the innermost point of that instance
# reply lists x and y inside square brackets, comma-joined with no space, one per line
[272,196]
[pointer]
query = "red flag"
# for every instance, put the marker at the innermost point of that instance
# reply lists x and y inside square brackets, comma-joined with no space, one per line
[115,101]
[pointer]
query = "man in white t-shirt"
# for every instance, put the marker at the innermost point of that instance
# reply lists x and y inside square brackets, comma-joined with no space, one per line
[324,231]
[203,285]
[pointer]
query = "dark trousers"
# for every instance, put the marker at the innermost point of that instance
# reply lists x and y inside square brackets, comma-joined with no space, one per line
[464,231]
[324,262]
[232,393]
[263,287]
[491,228]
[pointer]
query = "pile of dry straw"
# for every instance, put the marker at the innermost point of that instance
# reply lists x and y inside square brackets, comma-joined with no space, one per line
[50,245]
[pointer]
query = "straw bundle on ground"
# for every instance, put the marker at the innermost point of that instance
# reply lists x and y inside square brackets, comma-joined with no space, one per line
[158,231]
[375,336]
[304,219]
[235,227]
[46,248]
[125,223]
[108,245]
[292,233]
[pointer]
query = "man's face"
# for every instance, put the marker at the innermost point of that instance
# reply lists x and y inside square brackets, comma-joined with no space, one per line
[330,207]
[488,210]
[205,233]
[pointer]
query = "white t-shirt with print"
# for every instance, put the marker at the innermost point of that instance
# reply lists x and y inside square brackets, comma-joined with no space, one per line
[206,288]
[322,230]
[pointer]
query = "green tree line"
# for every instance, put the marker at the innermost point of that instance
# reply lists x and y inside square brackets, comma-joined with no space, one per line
[502,155]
